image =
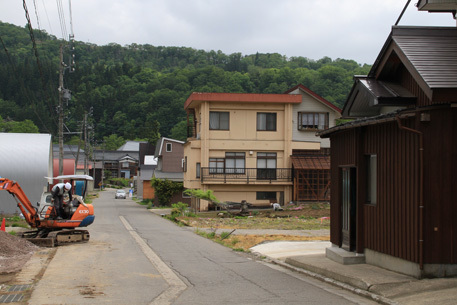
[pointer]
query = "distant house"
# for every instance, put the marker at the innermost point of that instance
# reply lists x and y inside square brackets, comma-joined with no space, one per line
[120,163]
[393,195]
[148,163]
[311,167]
[239,146]
[170,155]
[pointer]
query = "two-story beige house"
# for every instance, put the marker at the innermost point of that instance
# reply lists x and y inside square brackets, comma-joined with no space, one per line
[240,146]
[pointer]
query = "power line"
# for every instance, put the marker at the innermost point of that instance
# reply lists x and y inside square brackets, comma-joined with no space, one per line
[63,26]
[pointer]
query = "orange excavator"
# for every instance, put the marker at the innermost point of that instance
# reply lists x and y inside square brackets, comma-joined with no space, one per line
[50,231]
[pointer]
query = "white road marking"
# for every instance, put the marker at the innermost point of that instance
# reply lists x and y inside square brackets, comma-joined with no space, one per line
[176,286]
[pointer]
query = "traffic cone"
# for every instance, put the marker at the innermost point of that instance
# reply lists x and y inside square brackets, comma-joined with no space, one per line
[3,225]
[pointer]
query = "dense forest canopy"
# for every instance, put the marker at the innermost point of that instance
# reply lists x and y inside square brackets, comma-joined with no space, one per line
[133,91]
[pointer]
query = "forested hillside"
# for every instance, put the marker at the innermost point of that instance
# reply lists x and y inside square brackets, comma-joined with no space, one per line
[129,91]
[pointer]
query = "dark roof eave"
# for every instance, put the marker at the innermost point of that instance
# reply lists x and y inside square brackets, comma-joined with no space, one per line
[383,118]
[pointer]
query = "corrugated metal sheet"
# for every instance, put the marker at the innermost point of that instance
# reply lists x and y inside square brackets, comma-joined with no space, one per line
[311,162]
[27,159]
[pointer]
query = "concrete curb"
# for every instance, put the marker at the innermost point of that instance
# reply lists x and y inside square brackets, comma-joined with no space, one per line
[365,293]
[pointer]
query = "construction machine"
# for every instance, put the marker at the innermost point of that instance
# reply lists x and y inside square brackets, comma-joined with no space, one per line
[48,230]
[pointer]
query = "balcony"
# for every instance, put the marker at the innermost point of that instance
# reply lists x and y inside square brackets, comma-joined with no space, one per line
[246,175]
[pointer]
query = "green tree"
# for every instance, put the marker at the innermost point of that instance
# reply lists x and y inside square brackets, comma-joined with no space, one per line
[179,131]
[113,142]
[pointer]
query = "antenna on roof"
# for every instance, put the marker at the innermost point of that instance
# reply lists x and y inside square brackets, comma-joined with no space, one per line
[402,12]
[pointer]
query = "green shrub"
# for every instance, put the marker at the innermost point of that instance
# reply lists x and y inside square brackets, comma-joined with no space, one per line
[165,189]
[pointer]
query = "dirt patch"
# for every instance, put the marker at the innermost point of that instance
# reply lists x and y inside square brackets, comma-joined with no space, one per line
[14,253]
[315,216]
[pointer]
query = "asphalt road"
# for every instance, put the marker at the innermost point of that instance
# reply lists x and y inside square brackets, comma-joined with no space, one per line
[137,257]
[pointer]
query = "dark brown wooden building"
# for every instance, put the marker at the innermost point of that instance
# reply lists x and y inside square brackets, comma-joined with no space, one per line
[394,168]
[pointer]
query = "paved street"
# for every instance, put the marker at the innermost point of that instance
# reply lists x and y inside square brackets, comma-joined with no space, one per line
[138,257]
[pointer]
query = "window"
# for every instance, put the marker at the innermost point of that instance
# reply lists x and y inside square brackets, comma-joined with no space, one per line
[219,120]
[312,121]
[168,148]
[184,164]
[266,121]
[265,195]
[235,163]
[371,162]
[198,170]
[266,166]
[125,164]
[216,165]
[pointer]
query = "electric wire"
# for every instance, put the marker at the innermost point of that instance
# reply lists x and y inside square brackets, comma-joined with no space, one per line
[34,46]
[21,81]
[47,17]
[62,19]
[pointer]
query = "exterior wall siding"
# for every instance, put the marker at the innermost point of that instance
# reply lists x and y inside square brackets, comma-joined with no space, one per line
[390,226]
[394,224]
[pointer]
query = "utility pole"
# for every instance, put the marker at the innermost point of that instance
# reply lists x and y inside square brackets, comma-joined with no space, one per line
[86,153]
[61,91]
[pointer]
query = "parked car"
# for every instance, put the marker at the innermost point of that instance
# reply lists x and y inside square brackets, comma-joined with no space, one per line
[120,194]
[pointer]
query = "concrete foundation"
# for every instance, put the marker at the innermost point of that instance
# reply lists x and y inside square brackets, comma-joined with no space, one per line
[344,257]
[409,268]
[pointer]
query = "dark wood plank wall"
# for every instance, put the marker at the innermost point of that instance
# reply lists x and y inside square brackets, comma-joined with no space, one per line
[407,81]
[391,226]
[440,153]
[344,154]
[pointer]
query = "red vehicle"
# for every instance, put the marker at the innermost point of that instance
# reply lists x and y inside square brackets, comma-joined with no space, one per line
[50,231]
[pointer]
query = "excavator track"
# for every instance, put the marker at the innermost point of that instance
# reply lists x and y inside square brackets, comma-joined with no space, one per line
[56,238]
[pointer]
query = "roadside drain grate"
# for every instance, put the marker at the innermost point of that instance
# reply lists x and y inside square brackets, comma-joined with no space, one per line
[9,297]
[15,288]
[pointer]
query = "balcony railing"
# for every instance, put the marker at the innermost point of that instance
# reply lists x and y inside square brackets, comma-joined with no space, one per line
[245,175]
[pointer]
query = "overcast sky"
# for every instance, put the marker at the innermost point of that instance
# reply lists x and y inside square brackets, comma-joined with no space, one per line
[350,29]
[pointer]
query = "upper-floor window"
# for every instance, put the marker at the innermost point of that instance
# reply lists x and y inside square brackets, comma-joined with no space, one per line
[312,120]
[168,147]
[266,166]
[266,121]
[219,120]
[216,165]
[234,163]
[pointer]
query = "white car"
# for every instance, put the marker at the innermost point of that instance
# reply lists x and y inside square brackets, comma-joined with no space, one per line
[120,194]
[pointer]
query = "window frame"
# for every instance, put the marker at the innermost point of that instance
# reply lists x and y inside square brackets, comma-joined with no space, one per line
[268,117]
[265,195]
[300,119]
[267,172]
[236,156]
[198,170]
[218,113]
[371,179]
[166,147]
[216,169]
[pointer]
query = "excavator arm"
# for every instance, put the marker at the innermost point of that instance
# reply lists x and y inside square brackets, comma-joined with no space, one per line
[27,209]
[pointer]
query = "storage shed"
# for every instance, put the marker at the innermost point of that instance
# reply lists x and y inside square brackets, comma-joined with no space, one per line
[393,195]
[27,159]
